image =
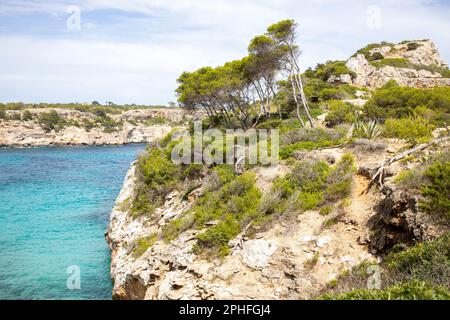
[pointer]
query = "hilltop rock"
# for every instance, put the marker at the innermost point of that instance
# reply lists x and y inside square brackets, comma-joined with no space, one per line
[422,53]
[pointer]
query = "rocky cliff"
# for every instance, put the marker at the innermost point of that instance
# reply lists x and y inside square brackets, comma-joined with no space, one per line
[293,259]
[135,126]
[410,63]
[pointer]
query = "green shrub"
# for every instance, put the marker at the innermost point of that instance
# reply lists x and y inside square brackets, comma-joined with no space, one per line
[51,121]
[376,55]
[2,112]
[398,102]
[309,139]
[158,175]
[340,177]
[27,115]
[326,70]
[142,244]
[233,205]
[411,290]
[340,112]
[393,62]
[420,271]
[437,189]
[311,184]
[412,129]
[325,210]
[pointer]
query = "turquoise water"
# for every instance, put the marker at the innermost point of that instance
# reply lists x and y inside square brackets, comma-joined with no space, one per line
[54,210]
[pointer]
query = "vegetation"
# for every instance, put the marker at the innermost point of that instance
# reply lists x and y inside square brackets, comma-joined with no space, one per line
[420,272]
[411,290]
[373,56]
[330,68]
[310,185]
[230,201]
[238,93]
[341,112]
[405,63]
[142,244]
[50,121]
[412,129]
[309,139]
[432,181]
[398,102]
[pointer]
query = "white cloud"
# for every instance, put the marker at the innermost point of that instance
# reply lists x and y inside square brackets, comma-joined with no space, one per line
[137,56]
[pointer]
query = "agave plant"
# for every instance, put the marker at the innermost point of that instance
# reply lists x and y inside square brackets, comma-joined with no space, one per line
[370,130]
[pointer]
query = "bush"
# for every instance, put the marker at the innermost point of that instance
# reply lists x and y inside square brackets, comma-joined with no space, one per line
[142,244]
[233,205]
[411,290]
[411,129]
[340,112]
[398,102]
[420,272]
[393,62]
[51,121]
[328,69]
[27,115]
[309,139]
[437,189]
[311,184]
[157,176]
[340,177]
[2,112]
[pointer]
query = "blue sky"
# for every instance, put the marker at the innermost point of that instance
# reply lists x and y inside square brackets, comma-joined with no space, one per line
[133,51]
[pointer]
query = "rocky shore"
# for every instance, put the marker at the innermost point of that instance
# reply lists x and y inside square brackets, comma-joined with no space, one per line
[134,128]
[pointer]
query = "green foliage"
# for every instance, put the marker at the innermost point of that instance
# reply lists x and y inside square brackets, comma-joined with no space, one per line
[398,102]
[411,290]
[2,112]
[158,175]
[419,272]
[325,210]
[51,121]
[311,184]
[234,204]
[309,139]
[375,56]
[156,121]
[393,62]
[413,46]
[437,189]
[340,112]
[405,63]
[340,177]
[27,115]
[412,129]
[328,69]
[142,244]
[368,130]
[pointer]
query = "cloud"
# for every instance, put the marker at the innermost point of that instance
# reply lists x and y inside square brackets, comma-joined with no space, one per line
[133,51]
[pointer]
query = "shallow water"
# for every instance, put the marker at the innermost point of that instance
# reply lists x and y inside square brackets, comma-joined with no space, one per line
[54,211]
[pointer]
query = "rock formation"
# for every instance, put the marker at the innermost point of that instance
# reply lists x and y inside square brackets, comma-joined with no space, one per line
[424,53]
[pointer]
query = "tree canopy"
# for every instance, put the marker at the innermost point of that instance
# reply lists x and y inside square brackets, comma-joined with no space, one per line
[239,92]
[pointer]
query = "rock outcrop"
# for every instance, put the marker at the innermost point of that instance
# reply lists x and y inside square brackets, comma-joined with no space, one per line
[294,259]
[424,53]
[134,129]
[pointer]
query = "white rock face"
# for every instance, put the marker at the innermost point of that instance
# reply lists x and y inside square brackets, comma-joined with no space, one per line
[15,133]
[256,253]
[275,264]
[426,55]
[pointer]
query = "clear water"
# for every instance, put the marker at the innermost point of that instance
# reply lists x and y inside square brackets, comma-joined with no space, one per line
[54,211]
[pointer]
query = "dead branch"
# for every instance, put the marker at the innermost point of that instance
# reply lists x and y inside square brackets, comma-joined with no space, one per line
[386,163]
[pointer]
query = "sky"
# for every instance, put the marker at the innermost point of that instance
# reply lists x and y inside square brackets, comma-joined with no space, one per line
[132,51]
